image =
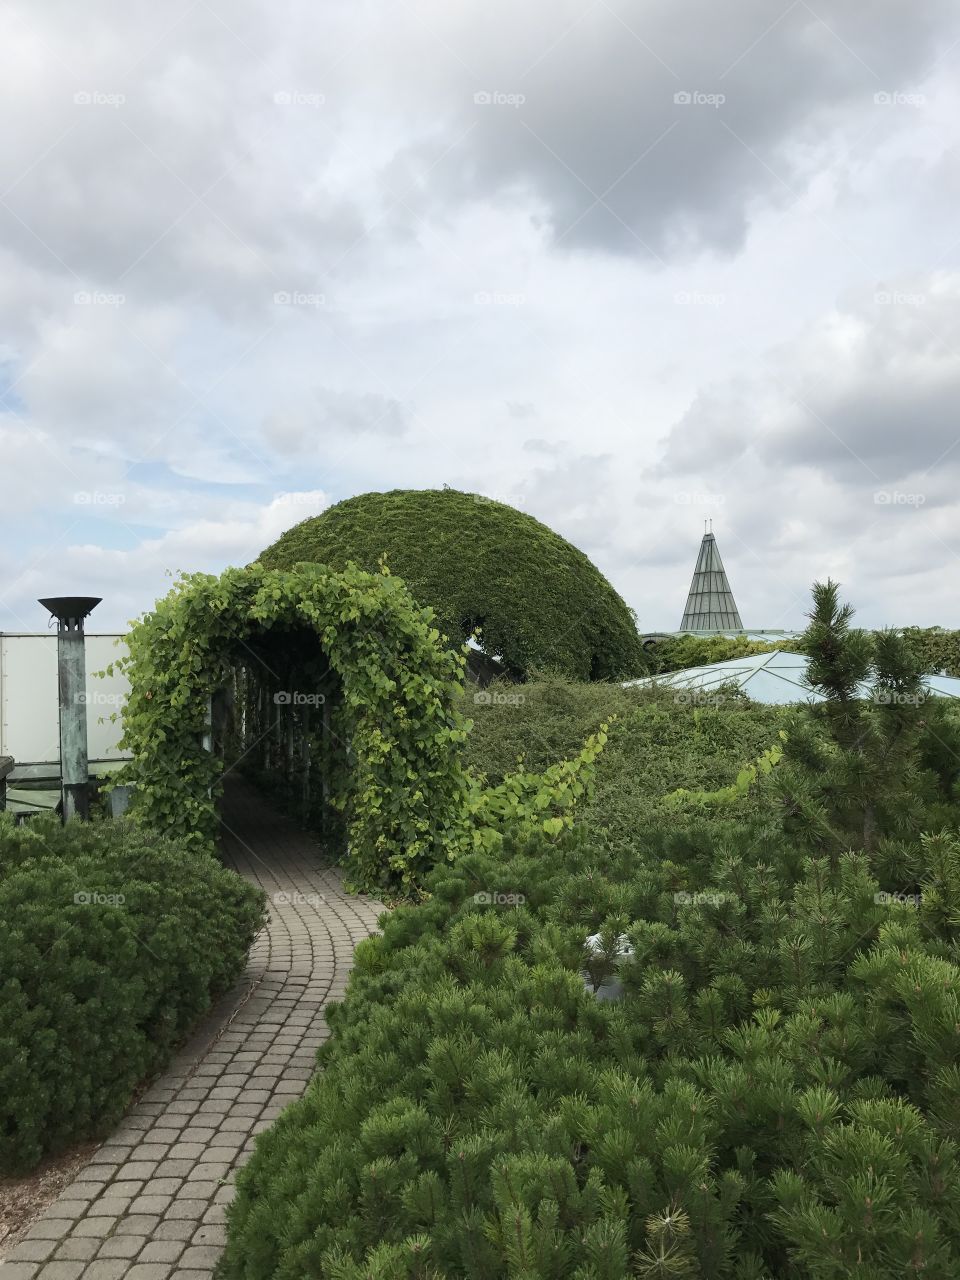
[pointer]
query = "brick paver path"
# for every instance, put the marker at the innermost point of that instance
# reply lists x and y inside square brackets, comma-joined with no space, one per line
[150,1204]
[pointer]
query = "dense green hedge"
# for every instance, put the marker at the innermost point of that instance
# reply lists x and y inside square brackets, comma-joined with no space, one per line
[938,650]
[541,604]
[661,742]
[114,942]
[676,653]
[777,1094]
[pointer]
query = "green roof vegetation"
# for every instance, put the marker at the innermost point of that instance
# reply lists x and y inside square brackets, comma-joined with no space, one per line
[539,603]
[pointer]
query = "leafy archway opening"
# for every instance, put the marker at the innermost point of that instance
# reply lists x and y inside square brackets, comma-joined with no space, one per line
[398,782]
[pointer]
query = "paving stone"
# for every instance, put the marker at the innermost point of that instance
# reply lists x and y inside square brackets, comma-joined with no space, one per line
[151,1150]
[127,1186]
[50,1228]
[174,1168]
[138,1224]
[191,1210]
[61,1271]
[255,1095]
[150,1204]
[19,1270]
[213,1233]
[109,1203]
[77,1249]
[200,1256]
[122,1247]
[163,1251]
[200,1188]
[99,1228]
[35,1250]
[166,1133]
[175,1229]
[107,1269]
[110,1155]
[163,1186]
[185,1150]
[197,1133]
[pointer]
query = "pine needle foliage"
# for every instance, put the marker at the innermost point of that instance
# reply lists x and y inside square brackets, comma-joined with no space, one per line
[776,1093]
[774,1096]
[114,942]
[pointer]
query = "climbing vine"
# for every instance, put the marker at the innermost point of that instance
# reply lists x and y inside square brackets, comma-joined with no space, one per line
[534,801]
[407,800]
[746,778]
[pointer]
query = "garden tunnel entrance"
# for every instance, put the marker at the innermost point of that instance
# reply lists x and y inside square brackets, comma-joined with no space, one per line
[276,722]
[333,685]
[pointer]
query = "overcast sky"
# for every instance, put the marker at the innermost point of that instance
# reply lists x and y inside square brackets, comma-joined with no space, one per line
[625,265]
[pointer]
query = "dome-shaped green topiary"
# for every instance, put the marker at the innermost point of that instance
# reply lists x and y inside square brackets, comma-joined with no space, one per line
[540,603]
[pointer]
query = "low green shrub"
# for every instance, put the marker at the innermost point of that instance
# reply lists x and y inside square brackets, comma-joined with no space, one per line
[776,1094]
[114,942]
[676,653]
[936,648]
[661,742]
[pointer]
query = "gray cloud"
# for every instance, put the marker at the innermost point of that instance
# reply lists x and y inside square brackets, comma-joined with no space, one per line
[334,413]
[634,131]
[869,394]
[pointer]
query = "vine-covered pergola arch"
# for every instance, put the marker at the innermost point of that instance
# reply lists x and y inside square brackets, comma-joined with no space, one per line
[404,792]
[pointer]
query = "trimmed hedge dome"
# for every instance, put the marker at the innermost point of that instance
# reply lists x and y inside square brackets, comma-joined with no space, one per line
[540,603]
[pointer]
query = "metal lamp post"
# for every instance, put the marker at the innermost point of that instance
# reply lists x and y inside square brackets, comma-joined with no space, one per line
[70,612]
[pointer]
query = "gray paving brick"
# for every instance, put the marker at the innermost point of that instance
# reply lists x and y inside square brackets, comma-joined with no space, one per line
[200,1256]
[107,1269]
[212,1233]
[61,1271]
[126,1186]
[77,1249]
[163,1251]
[99,1228]
[122,1246]
[35,1250]
[138,1224]
[175,1229]
[185,1209]
[150,1204]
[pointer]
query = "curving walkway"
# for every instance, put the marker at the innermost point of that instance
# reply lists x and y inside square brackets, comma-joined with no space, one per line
[150,1204]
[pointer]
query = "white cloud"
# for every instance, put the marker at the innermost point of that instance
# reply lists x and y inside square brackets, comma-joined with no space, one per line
[130,580]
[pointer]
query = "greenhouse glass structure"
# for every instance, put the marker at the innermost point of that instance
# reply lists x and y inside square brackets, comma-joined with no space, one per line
[774,678]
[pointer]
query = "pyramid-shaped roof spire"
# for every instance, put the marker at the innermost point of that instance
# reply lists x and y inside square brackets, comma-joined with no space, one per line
[710,602]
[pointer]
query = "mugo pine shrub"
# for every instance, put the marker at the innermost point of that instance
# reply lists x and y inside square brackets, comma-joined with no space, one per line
[777,1093]
[114,942]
